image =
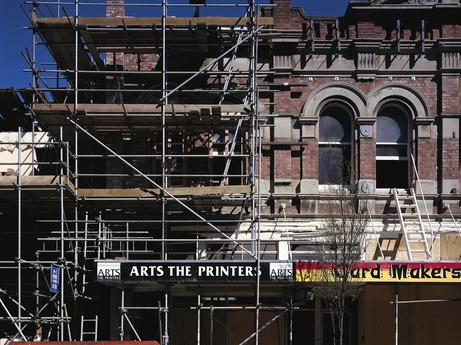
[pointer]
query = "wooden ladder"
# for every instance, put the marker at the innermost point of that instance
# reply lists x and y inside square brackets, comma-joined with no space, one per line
[411,224]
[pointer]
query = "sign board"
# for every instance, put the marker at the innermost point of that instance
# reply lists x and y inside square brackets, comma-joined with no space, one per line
[54,278]
[382,272]
[193,271]
[276,271]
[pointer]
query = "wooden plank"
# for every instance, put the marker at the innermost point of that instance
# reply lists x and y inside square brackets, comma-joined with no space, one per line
[136,22]
[42,108]
[36,181]
[450,246]
[93,50]
[151,193]
[108,342]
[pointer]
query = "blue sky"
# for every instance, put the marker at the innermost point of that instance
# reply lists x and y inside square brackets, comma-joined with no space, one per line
[14,38]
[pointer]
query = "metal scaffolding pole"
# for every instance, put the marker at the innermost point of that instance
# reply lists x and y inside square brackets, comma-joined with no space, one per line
[62,242]
[19,261]
[122,319]
[165,191]
[249,37]
[165,336]
[199,302]
[252,178]
[76,69]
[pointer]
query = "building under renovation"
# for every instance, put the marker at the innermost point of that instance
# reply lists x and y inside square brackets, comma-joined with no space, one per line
[166,174]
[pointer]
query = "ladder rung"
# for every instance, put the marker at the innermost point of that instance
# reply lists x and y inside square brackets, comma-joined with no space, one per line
[407,205]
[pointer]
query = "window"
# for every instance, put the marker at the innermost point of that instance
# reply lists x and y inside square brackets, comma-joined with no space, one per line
[335,146]
[392,148]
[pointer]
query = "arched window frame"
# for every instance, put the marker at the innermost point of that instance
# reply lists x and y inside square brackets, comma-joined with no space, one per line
[406,157]
[349,144]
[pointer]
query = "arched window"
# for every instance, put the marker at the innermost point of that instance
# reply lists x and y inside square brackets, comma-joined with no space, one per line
[335,146]
[392,148]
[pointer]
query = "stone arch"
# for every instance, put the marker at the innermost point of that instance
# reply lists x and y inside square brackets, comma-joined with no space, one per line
[342,92]
[402,93]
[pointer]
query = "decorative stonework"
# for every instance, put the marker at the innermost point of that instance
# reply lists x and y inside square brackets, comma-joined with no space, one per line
[366,61]
[284,62]
[450,60]
[366,66]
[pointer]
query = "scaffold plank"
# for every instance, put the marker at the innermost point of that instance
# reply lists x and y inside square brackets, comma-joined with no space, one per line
[137,22]
[152,193]
[89,109]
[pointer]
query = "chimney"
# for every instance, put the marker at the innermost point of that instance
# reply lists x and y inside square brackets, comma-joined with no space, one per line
[114,8]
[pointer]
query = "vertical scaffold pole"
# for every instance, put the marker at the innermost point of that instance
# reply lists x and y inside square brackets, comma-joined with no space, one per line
[76,151]
[166,339]
[62,244]
[396,316]
[253,118]
[199,302]
[19,231]
[122,318]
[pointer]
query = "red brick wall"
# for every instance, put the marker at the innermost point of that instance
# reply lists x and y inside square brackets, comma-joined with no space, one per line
[450,31]
[450,158]
[366,154]
[450,93]
[310,160]
[302,162]
[282,163]
[266,161]
[427,158]
[369,30]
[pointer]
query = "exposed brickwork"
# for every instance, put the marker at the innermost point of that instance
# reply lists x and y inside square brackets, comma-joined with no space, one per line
[450,94]
[266,162]
[310,160]
[427,159]
[113,9]
[298,163]
[366,154]
[450,158]
[369,30]
[451,31]
[296,153]
[282,164]
[141,62]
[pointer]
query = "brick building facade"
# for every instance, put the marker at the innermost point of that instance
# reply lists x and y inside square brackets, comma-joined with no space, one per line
[181,182]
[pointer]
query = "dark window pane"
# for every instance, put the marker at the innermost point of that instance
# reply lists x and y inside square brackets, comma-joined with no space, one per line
[334,164]
[335,125]
[392,174]
[392,126]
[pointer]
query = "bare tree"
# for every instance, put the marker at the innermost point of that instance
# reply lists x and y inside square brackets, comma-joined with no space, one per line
[340,246]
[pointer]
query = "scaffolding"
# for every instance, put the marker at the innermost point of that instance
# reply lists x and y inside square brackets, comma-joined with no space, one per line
[152,127]
[142,144]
